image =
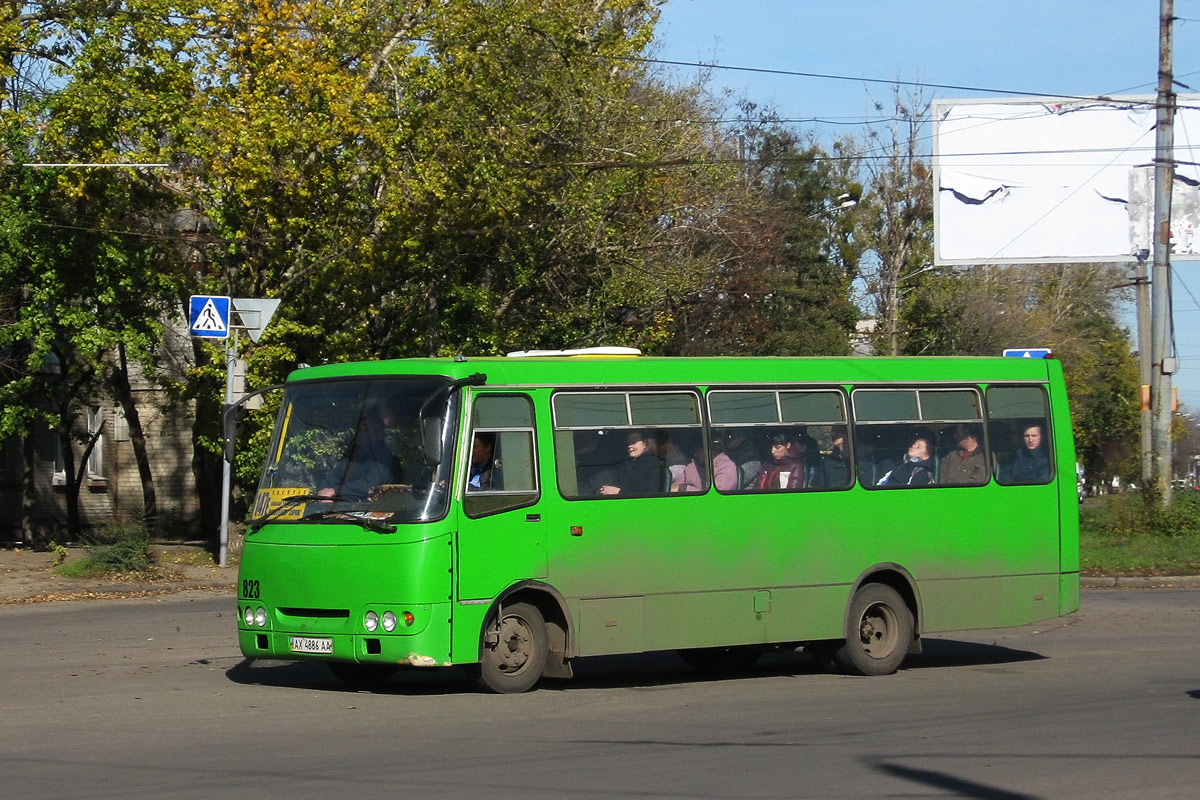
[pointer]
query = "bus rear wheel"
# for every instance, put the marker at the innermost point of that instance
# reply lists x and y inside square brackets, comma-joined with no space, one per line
[515,660]
[878,632]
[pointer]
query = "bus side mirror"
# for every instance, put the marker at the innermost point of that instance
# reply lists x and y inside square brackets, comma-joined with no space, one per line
[431,441]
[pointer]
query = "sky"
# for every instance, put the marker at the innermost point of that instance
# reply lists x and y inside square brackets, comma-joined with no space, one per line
[957,49]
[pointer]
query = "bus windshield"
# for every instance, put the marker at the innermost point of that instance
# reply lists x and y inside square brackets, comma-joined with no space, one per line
[353,451]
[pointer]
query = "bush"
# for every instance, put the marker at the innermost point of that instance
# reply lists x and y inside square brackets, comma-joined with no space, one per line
[1132,514]
[120,547]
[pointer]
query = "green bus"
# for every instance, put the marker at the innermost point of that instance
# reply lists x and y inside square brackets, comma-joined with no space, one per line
[509,515]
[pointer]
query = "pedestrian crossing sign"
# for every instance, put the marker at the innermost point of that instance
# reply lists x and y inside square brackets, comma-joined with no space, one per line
[209,317]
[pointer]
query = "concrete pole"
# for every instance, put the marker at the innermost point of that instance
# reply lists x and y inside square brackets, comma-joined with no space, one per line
[1164,178]
[1141,282]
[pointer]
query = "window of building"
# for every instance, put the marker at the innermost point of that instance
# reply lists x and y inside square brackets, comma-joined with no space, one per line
[95,427]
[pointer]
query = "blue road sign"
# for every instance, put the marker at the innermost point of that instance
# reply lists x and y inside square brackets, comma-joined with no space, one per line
[1027,352]
[209,316]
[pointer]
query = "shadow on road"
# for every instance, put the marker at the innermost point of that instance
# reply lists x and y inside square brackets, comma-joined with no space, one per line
[637,670]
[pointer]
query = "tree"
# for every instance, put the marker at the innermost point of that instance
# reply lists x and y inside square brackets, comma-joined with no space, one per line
[787,257]
[1067,307]
[896,217]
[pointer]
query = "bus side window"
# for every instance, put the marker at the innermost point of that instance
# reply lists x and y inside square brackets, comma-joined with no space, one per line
[1018,420]
[501,473]
[615,444]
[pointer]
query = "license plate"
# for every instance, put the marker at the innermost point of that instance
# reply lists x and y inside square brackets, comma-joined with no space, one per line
[311,644]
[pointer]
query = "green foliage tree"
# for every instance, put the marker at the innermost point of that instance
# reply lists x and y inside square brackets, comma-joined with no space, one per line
[786,257]
[1068,307]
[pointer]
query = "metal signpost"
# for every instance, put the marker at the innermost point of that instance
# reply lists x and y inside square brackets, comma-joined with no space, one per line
[219,317]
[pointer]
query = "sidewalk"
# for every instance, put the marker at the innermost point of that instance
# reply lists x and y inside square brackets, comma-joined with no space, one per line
[27,576]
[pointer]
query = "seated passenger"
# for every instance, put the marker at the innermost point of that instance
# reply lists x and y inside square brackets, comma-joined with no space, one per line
[744,453]
[593,467]
[835,468]
[726,476]
[641,474]
[784,470]
[690,477]
[1031,464]
[482,468]
[917,467]
[873,461]
[966,465]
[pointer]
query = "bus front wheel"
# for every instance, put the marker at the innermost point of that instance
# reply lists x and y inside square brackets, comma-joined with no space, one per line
[514,656]
[878,632]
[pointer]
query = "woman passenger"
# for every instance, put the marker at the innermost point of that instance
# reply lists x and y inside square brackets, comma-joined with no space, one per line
[784,470]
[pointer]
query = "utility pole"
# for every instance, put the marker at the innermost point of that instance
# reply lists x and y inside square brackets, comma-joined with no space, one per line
[1141,283]
[1163,361]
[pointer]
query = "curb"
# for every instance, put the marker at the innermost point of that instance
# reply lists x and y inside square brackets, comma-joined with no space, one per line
[1140,582]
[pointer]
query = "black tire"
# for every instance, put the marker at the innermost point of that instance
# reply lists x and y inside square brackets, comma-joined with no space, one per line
[517,659]
[718,660]
[361,676]
[879,631]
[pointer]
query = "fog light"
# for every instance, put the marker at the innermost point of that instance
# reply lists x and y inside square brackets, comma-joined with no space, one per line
[389,621]
[260,617]
[371,621]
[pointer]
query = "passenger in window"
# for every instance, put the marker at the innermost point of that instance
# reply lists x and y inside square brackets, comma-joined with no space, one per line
[784,470]
[726,476]
[835,467]
[1031,464]
[874,459]
[691,477]
[745,453]
[641,474]
[917,467]
[677,455]
[593,467]
[482,468]
[808,452]
[966,465]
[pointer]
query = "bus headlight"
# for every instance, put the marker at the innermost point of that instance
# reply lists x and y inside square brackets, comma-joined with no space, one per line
[248,615]
[389,621]
[255,616]
[371,621]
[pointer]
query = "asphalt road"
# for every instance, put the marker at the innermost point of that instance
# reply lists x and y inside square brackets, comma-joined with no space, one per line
[145,698]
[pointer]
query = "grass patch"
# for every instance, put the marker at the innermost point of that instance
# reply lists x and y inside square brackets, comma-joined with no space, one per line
[1123,535]
[121,548]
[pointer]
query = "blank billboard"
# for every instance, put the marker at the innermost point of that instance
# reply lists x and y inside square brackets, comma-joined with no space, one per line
[1046,179]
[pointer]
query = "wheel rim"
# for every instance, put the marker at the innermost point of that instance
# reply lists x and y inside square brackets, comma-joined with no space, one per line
[515,647]
[877,630]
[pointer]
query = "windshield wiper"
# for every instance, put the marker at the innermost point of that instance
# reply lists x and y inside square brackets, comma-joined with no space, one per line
[285,504]
[362,518]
